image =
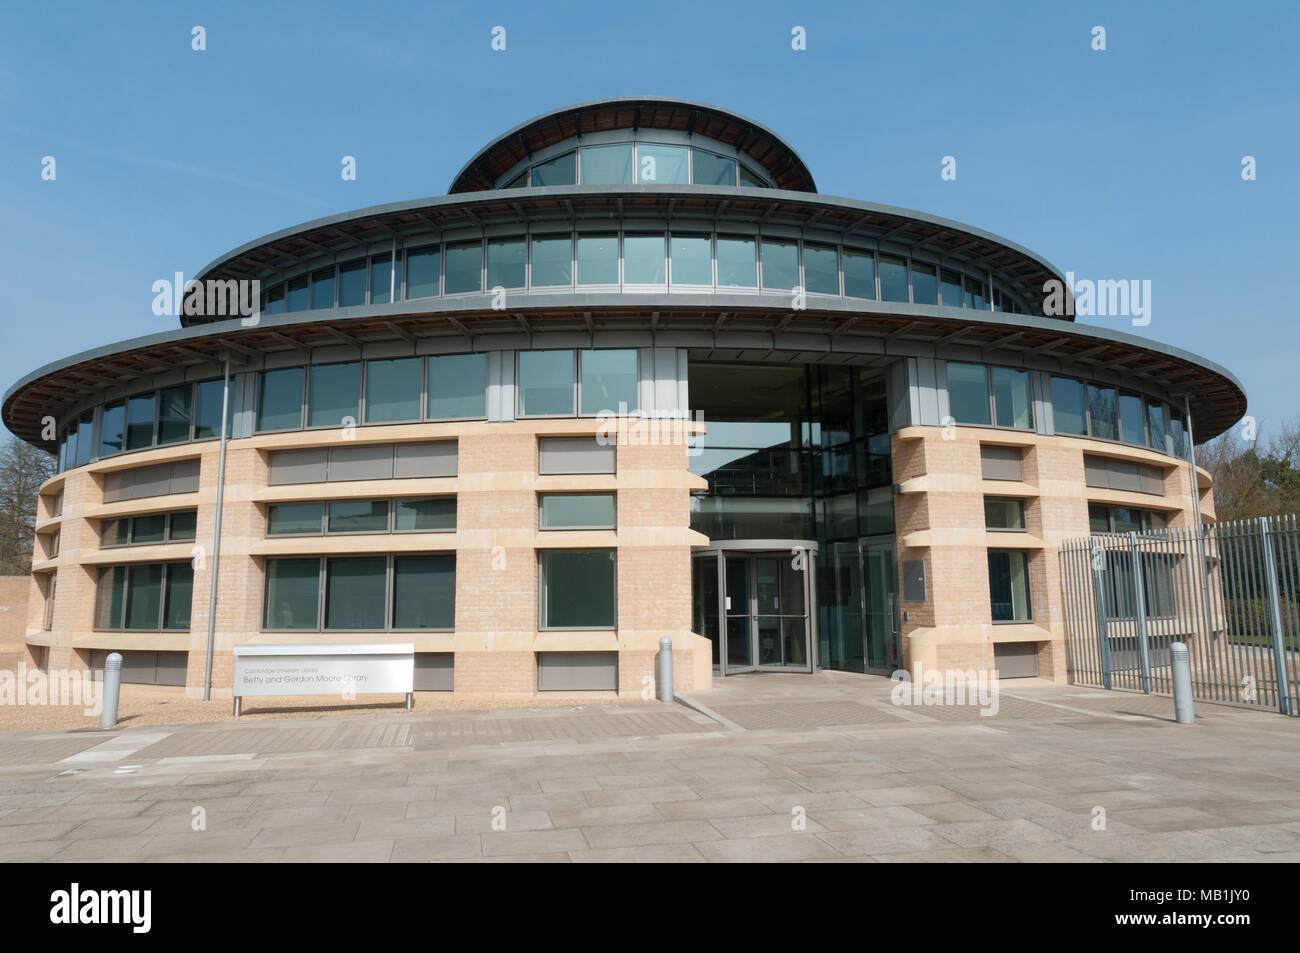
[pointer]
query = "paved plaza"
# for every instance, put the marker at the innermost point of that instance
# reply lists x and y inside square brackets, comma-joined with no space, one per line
[761,768]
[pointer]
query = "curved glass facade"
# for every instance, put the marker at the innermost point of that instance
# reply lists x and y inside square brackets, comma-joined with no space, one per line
[638,259]
[637,162]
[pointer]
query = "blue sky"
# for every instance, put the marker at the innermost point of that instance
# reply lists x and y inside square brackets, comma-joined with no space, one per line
[1117,164]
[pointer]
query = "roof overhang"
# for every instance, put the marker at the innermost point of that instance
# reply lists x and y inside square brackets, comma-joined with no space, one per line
[832,330]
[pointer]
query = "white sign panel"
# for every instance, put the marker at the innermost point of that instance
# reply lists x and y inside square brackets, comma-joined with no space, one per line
[323,670]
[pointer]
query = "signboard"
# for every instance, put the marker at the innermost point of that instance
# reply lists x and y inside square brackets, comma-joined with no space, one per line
[343,670]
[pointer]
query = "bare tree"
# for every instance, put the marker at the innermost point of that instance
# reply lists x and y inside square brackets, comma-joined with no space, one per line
[23,468]
[1256,478]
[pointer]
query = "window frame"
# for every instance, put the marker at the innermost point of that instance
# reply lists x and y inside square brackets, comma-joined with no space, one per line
[164,588]
[542,553]
[130,518]
[595,527]
[390,525]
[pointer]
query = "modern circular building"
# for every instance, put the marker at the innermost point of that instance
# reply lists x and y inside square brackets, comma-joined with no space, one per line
[632,377]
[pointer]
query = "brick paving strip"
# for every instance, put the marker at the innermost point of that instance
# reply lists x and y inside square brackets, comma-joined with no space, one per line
[805,768]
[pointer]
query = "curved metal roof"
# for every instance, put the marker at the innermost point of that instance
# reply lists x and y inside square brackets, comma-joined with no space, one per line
[838,330]
[754,140]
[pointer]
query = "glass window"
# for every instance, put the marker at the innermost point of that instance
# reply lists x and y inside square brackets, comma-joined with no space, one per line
[975,291]
[737,265]
[139,421]
[355,591]
[598,260]
[457,386]
[1178,436]
[559,171]
[662,165]
[518,182]
[174,414]
[1009,586]
[149,529]
[609,381]
[422,268]
[780,265]
[1011,398]
[294,519]
[143,596]
[292,591]
[859,274]
[893,278]
[751,180]
[968,393]
[298,294]
[577,511]
[1098,518]
[1102,412]
[925,284]
[713,170]
[607,165]
[1126,520]
[552,262]
[393,390]
[950,288]
[545,383]
[1156,427]
[692,259]
[381,278]
[112,429]
[578,589]
[182,526]
[434,515]
[1003,513]
[110,597]
[1068,413]
[1130,419]
[208,397]
[352,284]
[279,405]
[424,592]
[322,288]
[273,302]
[180,592]
[643,260]
[334,394]
[358,516]
[821,269]
[115,533]
[464,268]
[506,263]
[85,426]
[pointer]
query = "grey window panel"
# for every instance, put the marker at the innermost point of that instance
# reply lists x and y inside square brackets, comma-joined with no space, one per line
[577,671]
[1001,463]
[185,476]
[171,667]
[114,485]
[1124,476]
[1016,659]
[434,671]
[429,459]
[364,462]
[1096,471]
[575,455]
[1152,479]
[297,466]
[149,481]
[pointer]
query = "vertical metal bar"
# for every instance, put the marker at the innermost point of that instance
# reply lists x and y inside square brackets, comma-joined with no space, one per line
[1275,611]
[216,529]
[1103,647]
[1291,575]
[1140,613]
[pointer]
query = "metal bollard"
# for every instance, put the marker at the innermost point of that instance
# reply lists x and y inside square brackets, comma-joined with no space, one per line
[665,669]
[1182,665]
[109,690]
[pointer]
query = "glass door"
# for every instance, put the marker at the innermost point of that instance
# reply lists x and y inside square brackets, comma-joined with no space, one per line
[738,614]
[882,641]
[780,614]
